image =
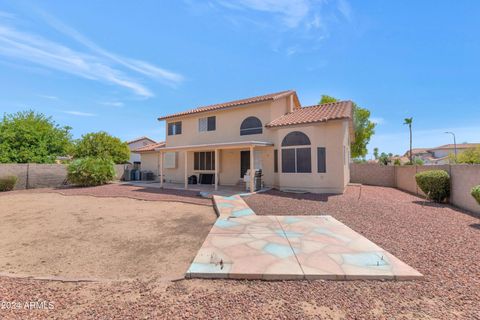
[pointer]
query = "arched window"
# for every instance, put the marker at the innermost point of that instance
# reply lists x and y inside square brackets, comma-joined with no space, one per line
[251,125]
[295,157]
[295,138]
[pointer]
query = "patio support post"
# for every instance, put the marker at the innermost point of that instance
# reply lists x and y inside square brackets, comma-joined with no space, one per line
[216,168]
[161,169]
[186,169]
[252,170]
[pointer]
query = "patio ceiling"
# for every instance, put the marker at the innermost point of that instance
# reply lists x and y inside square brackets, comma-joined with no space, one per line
[224,145]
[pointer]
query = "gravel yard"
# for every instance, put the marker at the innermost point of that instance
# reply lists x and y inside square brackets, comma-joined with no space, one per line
[440,241]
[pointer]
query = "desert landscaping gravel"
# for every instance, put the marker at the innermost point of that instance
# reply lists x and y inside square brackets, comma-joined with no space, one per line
[440,241]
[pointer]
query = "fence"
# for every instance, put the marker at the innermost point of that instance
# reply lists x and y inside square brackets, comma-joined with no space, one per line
[463,178]
[32,175]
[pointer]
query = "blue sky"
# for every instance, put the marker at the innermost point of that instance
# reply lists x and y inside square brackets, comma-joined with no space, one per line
[118,65]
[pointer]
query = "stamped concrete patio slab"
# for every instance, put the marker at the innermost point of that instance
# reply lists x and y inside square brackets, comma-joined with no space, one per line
[246,246]
[246,256]
[328,249]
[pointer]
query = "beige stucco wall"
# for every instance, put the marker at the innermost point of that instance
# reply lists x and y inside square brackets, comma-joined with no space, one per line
[332,135]
[228,124]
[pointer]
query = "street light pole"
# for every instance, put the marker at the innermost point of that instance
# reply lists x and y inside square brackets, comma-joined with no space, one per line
[454,143]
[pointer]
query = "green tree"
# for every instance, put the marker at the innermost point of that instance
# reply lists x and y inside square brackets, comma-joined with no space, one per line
[102,145]
[384,159]
[375,153]
[409,121]
[364,128]
[471,156]
[30,137]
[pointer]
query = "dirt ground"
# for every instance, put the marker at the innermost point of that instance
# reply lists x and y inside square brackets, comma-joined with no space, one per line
[83,237]
[440,241]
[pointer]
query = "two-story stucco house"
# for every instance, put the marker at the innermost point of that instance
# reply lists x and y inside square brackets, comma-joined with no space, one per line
[297,148]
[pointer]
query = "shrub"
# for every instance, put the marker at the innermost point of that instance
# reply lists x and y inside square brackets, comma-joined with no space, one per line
[90,171]
[476,193]
[434,183]
[8,183]
[102,145]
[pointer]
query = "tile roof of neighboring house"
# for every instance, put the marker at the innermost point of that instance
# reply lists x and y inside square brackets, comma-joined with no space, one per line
[317,113]
[150,147]
[141,138]
[416,151]
[235,103]
[459,146]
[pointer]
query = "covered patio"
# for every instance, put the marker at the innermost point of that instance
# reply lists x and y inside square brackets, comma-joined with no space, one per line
[216,149]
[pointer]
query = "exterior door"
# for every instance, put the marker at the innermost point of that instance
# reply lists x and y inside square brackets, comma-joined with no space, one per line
[244,162]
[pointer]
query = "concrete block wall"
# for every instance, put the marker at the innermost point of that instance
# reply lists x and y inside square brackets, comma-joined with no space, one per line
[463,179]
[372,174]
[33,175]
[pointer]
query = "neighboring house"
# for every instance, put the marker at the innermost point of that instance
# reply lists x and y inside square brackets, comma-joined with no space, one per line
[135,144]
[439,155]
[297,148]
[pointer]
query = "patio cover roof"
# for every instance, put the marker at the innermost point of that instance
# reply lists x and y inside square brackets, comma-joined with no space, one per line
[223,145]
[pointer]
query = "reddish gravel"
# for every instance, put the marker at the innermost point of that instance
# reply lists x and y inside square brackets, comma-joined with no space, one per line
[439,241]
[128,191]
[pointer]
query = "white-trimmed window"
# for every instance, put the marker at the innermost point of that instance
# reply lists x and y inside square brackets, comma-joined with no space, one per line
[207,124]
[296,153]
[204,161]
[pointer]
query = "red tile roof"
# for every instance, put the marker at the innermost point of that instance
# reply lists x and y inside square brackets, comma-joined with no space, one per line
[317,113]
[235,103]
[149,147]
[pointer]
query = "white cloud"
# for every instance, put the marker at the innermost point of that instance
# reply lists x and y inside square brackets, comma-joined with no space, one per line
[292,12]
[377,120]
[132,64]
[48,97]
[98,64]
[79,113]
[112,103]
[345,9]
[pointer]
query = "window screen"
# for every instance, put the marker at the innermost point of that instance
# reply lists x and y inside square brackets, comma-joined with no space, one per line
[174,128]
[321,160]
[295,138]
[251,125]
[207,124]
[275,160]
[288,160]
[211,123]
[304,161]
[204,160]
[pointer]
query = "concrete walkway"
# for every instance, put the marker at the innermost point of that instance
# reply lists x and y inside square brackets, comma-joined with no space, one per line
[242,245]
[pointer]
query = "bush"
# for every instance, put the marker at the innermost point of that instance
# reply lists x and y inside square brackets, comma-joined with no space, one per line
[434,183]
[102,145]
[90,171]
[8,183]
[476,193]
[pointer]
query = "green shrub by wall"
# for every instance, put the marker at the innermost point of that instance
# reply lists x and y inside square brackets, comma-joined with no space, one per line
[476,193]
[8,183]
[90,171]
[434,183]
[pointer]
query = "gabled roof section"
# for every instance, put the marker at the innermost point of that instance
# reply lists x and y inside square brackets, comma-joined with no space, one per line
[141,138]
[237,103]
[149,148]
[318,113]
[459,146]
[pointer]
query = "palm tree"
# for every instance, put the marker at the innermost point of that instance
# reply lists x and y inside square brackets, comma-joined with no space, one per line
[409,121]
